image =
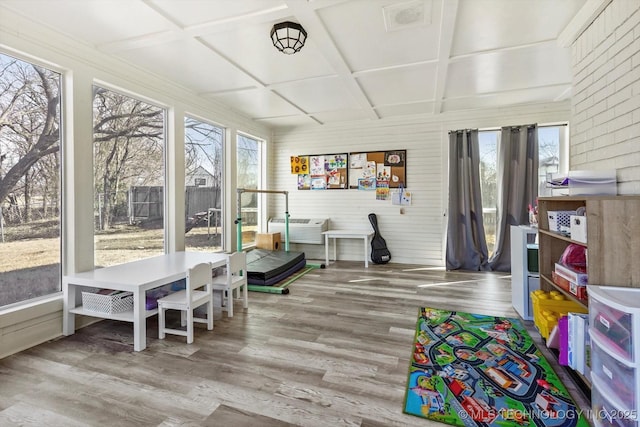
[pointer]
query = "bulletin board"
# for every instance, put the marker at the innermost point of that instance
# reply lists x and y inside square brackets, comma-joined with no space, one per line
[369,169]
[324,171]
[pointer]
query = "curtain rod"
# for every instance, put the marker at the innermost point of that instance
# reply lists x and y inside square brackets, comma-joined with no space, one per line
[540,126]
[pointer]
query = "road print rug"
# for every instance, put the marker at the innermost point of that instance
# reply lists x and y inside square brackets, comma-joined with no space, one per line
[475,370]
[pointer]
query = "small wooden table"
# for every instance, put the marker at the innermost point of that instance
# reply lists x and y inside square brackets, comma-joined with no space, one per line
[366,235]
[136,277]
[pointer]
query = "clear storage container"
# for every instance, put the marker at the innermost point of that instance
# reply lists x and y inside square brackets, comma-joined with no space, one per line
[611,321]
[606,414]
[614,325]
[619,380]
[589,182]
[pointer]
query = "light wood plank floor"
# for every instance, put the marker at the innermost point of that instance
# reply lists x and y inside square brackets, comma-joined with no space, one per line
[335,351]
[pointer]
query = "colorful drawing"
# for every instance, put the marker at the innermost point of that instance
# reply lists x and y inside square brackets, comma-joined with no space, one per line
[366,184]
[304,182]
[318,183]
[357,161]
[316,165]
[394,158]
[382,190]
[336,178]
[383,173]
[369,170]
[299,164]
[336,161]
[474,370]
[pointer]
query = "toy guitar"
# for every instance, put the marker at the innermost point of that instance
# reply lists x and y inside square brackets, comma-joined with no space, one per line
[379,252]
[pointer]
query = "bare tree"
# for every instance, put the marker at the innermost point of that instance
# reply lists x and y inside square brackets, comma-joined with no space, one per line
[128,148]
[29,126]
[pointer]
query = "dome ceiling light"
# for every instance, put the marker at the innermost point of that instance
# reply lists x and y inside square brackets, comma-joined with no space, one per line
[288,37]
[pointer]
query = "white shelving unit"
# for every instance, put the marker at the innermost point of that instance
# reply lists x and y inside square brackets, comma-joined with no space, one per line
[614,328]
[523,281]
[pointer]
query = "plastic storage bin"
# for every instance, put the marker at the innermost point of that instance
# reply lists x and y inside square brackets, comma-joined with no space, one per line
[560,221]
[589,183]
[612,322]
[618,379]
[606,413]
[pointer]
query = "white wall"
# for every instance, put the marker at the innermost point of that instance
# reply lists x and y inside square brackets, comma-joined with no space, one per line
[82,66]
[417,236]
[606,95]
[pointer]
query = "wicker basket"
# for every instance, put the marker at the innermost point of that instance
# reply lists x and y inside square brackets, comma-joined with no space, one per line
[116,303]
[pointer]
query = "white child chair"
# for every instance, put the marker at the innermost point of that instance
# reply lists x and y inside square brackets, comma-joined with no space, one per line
[234,279]
[198,291]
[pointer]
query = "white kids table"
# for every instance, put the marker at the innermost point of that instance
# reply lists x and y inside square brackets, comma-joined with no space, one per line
[137,277]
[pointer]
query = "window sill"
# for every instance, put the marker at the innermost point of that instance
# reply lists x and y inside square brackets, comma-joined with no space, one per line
[23,312]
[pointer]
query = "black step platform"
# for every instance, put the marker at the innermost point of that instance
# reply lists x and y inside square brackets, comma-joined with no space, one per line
[265,267]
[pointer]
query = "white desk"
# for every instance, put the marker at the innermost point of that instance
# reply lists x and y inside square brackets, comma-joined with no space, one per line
[366,235]
[137,277]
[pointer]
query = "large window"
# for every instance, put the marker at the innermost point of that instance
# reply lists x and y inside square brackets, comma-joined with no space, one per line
[551,149]
[128,168]
[204,164]
[488,141]
[552,141]
[249,176]
[29,181]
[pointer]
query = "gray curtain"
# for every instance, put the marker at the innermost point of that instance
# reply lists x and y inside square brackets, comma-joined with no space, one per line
[466,242]
[517,187]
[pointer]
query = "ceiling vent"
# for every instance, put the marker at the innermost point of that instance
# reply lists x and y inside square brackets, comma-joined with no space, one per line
[407,15]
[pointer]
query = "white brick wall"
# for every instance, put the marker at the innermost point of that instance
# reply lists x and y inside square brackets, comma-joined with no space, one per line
[605,108]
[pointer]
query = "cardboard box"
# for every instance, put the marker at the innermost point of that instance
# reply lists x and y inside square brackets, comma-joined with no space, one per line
[269,241]
[562,283]
[572,275]
[578,228]
[580,291]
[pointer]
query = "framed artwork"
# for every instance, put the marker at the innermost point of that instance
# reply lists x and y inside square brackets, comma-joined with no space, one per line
[386,167]
[324,171]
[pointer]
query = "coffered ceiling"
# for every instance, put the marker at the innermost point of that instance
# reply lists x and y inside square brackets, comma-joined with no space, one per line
[363,60]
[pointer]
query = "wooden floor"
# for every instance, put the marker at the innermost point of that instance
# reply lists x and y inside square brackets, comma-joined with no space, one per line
[335,351]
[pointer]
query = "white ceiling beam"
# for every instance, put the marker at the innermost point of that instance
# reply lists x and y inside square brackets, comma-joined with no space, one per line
[321,38]
[196,32]
[502,50]
[562,87]
[177,32]
[447,29]
[395,67]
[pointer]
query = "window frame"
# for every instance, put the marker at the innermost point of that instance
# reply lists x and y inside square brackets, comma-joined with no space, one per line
[63,123]
[224,132]
[261,180]
[167,124]
[563,158]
